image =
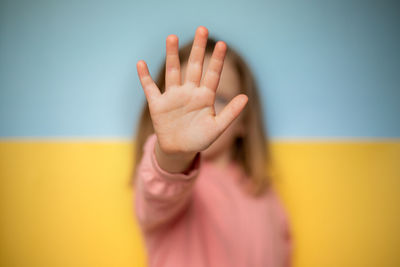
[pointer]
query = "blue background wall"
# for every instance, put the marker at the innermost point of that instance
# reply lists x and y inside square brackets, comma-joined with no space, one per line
[325,68]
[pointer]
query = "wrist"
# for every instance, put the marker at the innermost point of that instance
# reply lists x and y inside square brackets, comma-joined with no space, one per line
[173,162]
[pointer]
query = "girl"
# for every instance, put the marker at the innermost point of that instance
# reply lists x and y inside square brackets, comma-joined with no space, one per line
[203,196]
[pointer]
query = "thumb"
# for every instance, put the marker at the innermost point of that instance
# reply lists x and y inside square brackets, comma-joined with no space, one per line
[231,112]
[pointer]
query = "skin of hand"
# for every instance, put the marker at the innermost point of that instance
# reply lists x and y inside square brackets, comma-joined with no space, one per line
[220,151]
[184,117]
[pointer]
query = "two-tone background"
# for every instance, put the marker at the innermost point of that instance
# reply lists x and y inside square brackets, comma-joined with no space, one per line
[329,74]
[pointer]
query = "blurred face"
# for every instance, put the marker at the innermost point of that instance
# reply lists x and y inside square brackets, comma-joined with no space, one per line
[228,88]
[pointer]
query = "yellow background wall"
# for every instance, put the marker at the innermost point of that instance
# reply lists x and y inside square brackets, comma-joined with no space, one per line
[68,203]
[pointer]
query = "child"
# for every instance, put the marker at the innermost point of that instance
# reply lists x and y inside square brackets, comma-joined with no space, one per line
[203,196]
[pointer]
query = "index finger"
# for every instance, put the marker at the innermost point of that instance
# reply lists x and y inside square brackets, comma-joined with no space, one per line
[214,69]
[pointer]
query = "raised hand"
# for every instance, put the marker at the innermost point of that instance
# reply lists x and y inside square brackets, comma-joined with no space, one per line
[183,116]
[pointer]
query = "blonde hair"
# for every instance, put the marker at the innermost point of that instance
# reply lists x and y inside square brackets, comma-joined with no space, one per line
[251,151]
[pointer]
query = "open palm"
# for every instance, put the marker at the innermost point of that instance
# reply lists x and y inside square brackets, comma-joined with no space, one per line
[183,117]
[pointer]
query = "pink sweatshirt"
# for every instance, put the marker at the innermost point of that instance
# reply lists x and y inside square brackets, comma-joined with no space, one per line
[203,217]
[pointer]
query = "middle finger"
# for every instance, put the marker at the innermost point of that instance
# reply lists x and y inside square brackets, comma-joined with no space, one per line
[196,58]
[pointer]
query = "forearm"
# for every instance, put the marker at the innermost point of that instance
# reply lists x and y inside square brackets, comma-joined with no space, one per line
[161,195]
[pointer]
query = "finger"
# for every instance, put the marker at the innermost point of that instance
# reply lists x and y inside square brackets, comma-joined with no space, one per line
[172,70]
[195,63]
[149,87]
[214,69]
[231,111]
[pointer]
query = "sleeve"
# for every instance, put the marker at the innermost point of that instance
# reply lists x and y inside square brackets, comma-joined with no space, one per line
[160,196]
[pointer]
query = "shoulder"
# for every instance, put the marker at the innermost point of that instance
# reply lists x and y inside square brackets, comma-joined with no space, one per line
[278,210]
[283,226]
